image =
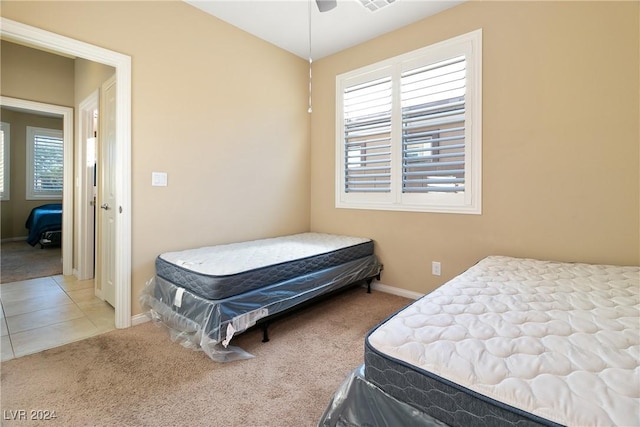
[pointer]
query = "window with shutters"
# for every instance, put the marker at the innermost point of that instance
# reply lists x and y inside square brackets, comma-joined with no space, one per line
[409,131]
[45,163]
[5,160]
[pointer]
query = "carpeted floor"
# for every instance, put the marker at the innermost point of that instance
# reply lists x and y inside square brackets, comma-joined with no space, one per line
[138,377]
[21,261]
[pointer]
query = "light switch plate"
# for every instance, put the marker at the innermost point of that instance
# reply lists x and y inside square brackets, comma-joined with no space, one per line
[159,179]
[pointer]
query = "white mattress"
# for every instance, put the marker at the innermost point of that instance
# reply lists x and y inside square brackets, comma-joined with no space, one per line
[558,340]
[234,258]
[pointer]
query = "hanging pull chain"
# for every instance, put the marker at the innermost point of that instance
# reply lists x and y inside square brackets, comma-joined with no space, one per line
[310,109]
[310,80]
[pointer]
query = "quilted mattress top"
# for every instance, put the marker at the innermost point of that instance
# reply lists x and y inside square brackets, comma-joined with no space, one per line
[558,340]
[234,258]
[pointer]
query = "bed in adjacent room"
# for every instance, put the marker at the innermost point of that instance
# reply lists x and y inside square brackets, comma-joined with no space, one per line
[45,225]
[206,296]
[508,342]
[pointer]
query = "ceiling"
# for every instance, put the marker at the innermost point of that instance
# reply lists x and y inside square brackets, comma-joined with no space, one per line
[285,23]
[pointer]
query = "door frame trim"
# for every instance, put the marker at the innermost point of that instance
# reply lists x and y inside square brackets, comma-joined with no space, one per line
[36,37]
[66,113]
[85,242]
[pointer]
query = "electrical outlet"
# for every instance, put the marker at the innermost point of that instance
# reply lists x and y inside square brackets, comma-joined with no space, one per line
[435,268]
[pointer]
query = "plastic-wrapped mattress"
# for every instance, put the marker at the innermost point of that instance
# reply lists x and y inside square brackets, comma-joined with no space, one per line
[357,402]
[209,325]
[221,271]
[517,342]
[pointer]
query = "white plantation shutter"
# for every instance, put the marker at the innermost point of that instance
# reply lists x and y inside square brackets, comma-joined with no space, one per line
[45,163]
[5,160]
[433,125]
[49,161]
[367,137]
[409,131]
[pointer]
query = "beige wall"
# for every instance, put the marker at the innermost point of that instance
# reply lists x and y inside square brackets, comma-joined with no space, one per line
[16,210]
[89,76]
[211,103]
[560,141]
[222,112]
[33,75]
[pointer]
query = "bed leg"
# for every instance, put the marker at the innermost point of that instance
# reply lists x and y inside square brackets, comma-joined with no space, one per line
[265,333]
[369,280]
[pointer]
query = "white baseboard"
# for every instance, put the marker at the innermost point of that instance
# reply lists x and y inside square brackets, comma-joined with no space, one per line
[395,291]
[139,319]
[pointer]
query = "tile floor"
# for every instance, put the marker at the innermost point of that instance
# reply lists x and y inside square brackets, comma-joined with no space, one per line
[43,313]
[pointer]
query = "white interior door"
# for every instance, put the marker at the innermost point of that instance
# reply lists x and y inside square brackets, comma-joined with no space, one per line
[92,195]
[107,191]
[86,190]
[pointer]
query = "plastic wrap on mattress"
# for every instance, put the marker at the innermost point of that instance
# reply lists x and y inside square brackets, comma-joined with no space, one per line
[209,325]
[357,402]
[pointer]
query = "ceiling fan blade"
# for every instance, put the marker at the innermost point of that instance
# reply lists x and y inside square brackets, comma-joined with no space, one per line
[325,5]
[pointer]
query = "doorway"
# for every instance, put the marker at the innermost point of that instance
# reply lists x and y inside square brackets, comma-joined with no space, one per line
[35,37]
[66,114]
[50,310]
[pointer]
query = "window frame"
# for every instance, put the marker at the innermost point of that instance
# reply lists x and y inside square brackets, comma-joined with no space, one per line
[5,193]
[468,202]
[31,193]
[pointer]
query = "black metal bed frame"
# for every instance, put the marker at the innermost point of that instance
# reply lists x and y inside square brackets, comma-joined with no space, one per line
[266,321]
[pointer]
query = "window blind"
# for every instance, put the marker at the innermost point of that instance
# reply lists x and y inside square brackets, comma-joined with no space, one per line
[48,164]
[367,136]
[433,127]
